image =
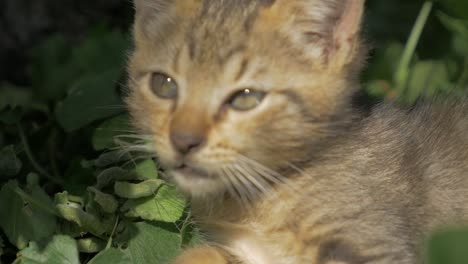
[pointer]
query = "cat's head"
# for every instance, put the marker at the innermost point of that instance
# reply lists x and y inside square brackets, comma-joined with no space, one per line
[232,91]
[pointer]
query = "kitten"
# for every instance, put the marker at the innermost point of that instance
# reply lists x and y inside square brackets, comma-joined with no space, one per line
[249,107]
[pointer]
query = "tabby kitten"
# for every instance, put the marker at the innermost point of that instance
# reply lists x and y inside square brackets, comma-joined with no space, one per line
[248,104]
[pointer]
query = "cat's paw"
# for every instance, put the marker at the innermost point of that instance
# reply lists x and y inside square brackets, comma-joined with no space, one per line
[201,255]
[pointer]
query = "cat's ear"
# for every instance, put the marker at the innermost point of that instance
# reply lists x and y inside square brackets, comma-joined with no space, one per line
[326,29]
[151,17]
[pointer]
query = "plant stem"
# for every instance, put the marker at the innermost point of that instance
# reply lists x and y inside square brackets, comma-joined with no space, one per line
[33,160]
[402,73]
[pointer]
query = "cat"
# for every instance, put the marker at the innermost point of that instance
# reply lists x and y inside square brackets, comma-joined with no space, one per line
[249,107]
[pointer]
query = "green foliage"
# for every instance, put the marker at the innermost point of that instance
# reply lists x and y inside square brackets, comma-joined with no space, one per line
[74,186]
[399,72]
[94,199]
[448,247]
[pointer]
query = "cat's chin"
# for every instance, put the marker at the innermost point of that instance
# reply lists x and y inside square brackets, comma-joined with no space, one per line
[196,183]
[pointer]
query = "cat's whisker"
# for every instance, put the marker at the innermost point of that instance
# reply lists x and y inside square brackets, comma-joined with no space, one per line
[252,193]
[257,181]
[270,174]
[241,192]
[227,183]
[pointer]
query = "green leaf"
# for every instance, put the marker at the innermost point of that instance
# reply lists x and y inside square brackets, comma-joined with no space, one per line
[149,243]
[111,158]
[10,165]
[110,175]
[456,7]
[83,219]
[111,255]
[426,78]
[91,98]
[459,28]
[147,169]
[90,245]
[167,205]
[25,217]
[137,190]
[448,247]
[106,134]
[59,250]
[15,102]
[106,201]
[385,62]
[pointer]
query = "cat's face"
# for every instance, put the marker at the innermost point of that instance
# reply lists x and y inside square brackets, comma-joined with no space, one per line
[232,91]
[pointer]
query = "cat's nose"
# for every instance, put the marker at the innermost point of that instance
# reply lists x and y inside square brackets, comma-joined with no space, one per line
[184,142]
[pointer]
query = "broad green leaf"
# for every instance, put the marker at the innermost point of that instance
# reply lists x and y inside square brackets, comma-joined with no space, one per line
[106,201]
[25,217]
[448,247]
[149,243]
[426,78]
[90,245]
[111,158]
[15,102]
[167,205]
[101,50]
[110,132]
[91,98]
[111,175]
[50,71]
[83,219]
[112,255]
[147,169]
[137,190]
[59,250]
[10,165]
[11,96]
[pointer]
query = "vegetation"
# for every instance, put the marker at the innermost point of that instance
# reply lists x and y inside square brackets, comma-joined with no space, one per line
[74,187]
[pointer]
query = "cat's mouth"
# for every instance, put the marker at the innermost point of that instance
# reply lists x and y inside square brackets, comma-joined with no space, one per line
[192,172]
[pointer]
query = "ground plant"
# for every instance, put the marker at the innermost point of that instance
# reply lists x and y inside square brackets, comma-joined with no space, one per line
[77,185]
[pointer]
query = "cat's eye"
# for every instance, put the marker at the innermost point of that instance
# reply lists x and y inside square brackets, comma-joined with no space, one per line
[246,99]
[163,86]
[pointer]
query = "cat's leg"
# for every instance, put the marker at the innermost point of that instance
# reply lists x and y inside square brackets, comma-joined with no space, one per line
[204,255]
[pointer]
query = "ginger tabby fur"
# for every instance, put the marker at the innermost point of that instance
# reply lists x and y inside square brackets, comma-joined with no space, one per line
[301,177]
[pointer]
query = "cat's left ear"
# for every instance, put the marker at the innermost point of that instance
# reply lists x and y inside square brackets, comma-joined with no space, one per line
[327,30]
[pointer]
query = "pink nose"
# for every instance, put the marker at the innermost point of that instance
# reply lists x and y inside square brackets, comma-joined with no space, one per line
[184,142]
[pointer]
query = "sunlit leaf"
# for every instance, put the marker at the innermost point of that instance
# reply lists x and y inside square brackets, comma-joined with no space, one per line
[112,255]
[137,190]
[149,243]
[167,205]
